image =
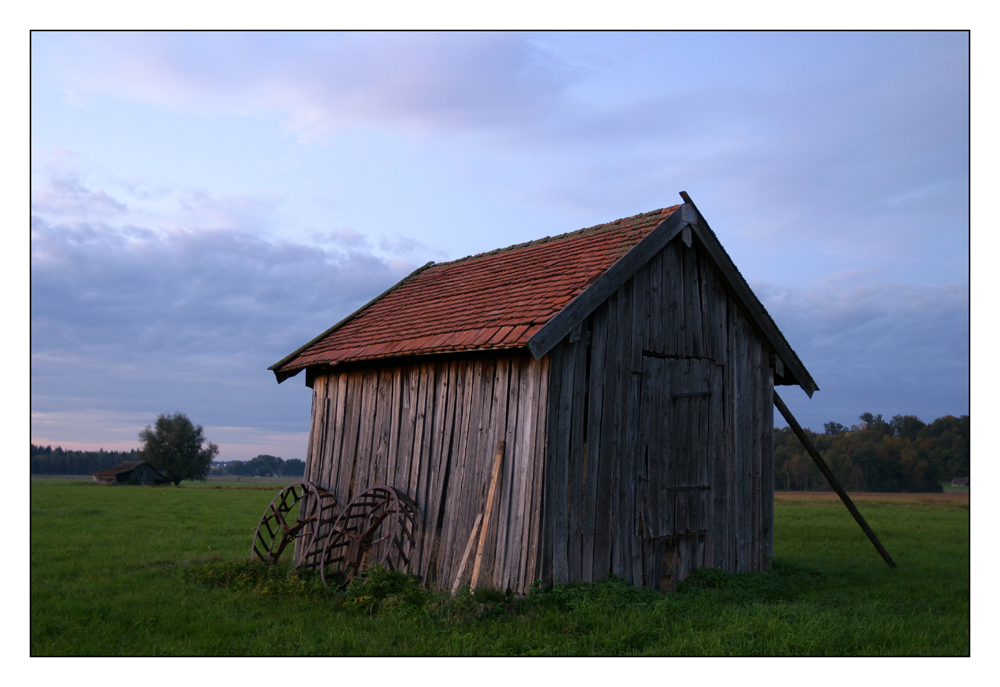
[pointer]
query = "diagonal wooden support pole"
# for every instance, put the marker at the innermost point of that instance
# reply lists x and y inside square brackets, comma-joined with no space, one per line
[790,419]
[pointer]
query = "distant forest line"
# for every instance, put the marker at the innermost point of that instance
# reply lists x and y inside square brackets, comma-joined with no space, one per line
[46,460]
[901,454]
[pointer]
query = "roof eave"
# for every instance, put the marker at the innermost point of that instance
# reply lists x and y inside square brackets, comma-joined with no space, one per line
[282,375]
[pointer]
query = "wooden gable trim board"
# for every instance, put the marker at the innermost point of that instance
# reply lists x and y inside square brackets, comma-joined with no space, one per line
[746,298]
[684,223]
[283,375]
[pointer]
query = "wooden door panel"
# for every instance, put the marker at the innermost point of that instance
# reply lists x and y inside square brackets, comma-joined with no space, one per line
[676,444]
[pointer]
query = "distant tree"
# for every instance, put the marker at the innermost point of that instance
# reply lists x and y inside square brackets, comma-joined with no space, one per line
[265,464]
[834,428]
[174,446]
[294,467]
[907,426]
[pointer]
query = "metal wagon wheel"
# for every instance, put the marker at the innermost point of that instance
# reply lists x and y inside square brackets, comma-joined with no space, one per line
[375,528]
[301,510]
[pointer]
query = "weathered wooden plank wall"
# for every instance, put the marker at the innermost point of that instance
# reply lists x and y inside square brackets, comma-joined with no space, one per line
[431,430]
[672,324]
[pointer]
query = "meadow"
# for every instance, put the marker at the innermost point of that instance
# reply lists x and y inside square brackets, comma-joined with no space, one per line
[134,571]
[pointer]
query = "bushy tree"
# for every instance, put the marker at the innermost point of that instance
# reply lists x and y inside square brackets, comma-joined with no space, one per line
[175,447]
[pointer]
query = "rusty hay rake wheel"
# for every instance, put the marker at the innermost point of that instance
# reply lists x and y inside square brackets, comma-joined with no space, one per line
[375,528]
[283,523]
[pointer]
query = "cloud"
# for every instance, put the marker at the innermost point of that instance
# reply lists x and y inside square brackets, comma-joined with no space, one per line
[876,347]
[319,81]
[130,320]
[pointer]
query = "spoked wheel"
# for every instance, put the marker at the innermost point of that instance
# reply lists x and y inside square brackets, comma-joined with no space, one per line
[299,511]
[376,528]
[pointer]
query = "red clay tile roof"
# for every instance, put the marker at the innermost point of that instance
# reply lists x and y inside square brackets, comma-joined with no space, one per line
[488,301]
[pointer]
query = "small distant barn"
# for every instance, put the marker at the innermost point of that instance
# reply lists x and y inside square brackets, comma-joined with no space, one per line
[628,368]
[131,472]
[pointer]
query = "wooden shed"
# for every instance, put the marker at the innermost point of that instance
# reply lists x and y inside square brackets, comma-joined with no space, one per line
[131,472]
[628,368]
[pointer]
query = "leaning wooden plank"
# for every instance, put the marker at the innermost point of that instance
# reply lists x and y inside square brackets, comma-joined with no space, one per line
[487,515]
[824,468]
[465,556]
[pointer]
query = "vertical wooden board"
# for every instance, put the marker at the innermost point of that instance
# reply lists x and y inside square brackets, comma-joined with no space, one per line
[546,543]
[767,478]
[520,412]
[605,513]
[677,290]
[381,422]
[656,307]
[396,406]
[695,345]
[481,457]
[444,431]
[347,464]
[531,428]
[493,432]
[537,373]
[314,427]
[425,382]
[521,424]
[497,432]
[560,462]
[368,438]
[317,426]
[654,522]
[744,457]
[715,469]
[732,403]
[578,456]
[402,445]
[709,306]
[595,399]
[321,463]
[335,458]
[627,432]
[509,535]
[753,382]
[465,426]
[327,435]
[476,464]
[640,302]
[434,386]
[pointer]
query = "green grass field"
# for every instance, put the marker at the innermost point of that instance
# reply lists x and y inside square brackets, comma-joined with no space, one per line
[119,571]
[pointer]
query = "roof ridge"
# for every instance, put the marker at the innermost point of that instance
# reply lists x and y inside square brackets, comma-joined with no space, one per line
[546,239]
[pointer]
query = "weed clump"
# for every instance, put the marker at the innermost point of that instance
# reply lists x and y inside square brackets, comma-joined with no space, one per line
[784,582]
[611,593]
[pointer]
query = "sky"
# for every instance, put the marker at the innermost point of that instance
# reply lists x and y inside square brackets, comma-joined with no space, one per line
[202,204]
